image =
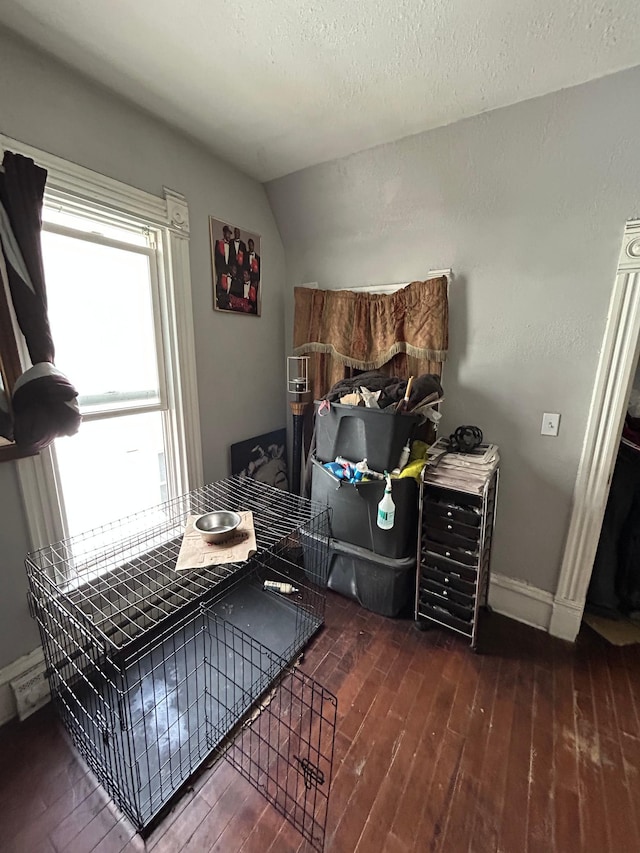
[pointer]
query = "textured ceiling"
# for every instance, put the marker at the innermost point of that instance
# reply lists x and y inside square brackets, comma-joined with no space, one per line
[276,85]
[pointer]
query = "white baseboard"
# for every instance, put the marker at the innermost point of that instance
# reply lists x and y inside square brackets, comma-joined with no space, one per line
[566,619]
[521,601]
[9,673]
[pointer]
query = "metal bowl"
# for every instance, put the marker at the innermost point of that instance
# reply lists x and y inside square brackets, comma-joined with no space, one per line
[217,526]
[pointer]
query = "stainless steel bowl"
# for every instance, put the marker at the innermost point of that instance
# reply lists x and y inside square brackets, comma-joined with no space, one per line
[217,526]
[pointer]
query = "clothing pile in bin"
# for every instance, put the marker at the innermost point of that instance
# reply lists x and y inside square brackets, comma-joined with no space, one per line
[425,389]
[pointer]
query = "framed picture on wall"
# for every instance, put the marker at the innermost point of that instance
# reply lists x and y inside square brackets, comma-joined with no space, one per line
[237,268]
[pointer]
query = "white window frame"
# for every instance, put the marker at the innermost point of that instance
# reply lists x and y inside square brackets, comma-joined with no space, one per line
[78,189]
[160,330]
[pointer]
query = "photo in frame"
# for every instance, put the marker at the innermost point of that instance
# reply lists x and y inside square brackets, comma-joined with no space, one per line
[263,458]
[237,268]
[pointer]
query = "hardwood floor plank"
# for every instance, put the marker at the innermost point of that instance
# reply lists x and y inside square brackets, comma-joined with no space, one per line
[630,658]
[565,771]
[35,831]
[429,830]
[620,815]
[264,832]
[452,828]
[592,820]
[96,831]
[344,807]
[75,822]
[122,838]
[238,829]
[390,790]
[415,797]
[514,823]
[391,733]
[184,826]
[627,720]
[392,844]
[493,797]
[541,819]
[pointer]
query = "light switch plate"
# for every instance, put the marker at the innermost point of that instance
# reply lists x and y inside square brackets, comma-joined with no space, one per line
[550,423]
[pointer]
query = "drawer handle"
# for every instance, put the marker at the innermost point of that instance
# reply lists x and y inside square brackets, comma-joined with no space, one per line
[450,514]
[447,553]
[449,526]
[445,592]
[446,580]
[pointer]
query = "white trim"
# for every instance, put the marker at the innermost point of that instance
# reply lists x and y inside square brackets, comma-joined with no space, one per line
[39,495]
[616,368]
[386,288]
[68,179]
[520,601]
[183,355]
[9,673]
[98,239]
[566,619]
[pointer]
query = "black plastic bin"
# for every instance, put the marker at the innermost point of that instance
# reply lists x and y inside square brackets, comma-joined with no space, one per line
[379,584]
[354,509]
[356,432]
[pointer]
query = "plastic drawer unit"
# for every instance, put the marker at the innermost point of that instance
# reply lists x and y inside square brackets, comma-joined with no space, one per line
[454,552]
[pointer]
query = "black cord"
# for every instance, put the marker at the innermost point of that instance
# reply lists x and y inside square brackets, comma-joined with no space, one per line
[465,439]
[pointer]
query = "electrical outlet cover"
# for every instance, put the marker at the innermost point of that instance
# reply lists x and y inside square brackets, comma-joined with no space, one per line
[550,423]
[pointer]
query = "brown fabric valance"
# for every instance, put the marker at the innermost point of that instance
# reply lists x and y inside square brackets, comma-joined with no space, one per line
[366,330]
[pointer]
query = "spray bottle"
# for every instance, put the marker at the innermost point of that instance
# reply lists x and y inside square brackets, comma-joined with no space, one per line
[386,507]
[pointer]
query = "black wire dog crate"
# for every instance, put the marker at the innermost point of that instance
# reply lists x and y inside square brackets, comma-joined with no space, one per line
[153,669]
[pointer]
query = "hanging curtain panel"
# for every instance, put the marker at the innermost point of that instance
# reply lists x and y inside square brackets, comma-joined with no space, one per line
[404,333]
[44,402]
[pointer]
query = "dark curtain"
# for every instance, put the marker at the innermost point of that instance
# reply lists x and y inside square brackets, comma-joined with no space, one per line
[44,402]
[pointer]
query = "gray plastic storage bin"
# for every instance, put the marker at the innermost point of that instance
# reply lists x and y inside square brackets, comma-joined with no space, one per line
[379,584]
[356,432]
[354,509]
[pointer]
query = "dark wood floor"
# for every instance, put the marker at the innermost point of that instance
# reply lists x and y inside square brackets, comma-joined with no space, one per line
[532,746]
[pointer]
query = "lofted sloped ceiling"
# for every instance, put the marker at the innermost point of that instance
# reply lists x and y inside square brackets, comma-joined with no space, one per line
[273,86]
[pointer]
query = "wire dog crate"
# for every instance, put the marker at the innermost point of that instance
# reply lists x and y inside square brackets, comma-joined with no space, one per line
[152,669]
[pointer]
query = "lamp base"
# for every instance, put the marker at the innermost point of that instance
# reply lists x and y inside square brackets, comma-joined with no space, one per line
[297,409]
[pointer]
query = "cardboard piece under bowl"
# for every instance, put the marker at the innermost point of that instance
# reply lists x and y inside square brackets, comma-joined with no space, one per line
[195,553]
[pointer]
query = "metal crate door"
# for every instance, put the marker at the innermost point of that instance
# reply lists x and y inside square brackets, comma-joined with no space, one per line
[283,740]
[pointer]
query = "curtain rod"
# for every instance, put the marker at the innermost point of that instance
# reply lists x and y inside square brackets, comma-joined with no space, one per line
[396,285]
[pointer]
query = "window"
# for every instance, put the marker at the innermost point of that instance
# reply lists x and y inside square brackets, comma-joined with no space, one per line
[104,310]
[117,272]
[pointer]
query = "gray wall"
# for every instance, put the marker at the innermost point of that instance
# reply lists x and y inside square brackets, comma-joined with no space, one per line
[527,204]
[240,359]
